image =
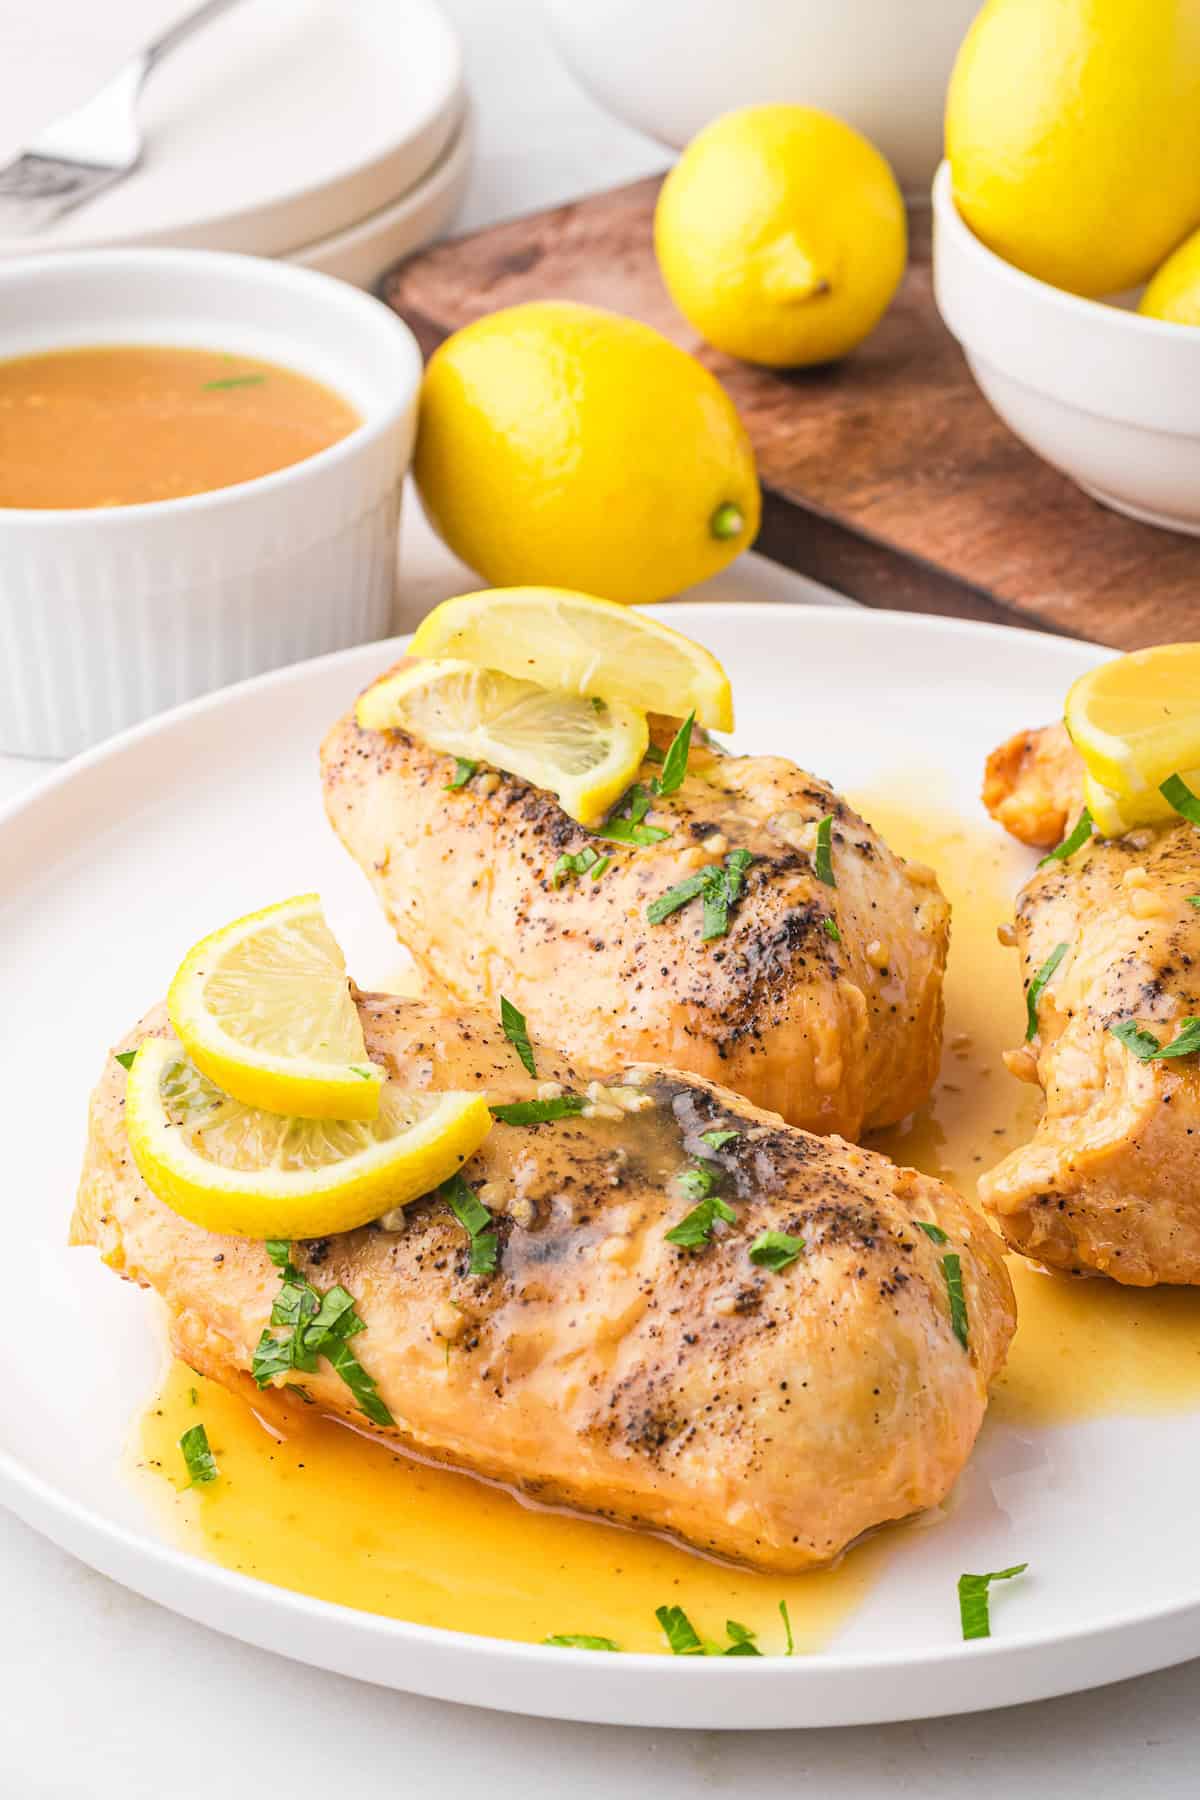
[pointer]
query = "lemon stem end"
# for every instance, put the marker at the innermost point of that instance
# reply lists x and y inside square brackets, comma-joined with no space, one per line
[727,521]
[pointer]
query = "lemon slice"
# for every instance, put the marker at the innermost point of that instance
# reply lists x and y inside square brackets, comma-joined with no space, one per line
[587,751]
[263,1008]
[1135,721]
[234,1168]
[586,646]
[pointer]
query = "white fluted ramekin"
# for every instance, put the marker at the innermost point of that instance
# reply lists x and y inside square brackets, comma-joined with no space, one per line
[110,614]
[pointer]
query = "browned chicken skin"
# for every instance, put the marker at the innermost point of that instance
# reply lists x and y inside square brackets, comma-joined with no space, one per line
[1033,785]
[822,1003]
[1111,1181]
[769,1417]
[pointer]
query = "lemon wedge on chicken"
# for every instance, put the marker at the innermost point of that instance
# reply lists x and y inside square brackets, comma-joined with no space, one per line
[584,749]
[584,646]
[263,1008]
[1136,722]
[234,1168]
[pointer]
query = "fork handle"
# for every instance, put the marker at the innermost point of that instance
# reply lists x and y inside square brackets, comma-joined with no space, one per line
[183,28]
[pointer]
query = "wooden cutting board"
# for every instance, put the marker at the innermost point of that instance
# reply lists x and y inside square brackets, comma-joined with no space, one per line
[886,476]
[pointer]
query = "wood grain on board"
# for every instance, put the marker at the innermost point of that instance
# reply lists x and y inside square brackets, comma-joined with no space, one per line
[887,476]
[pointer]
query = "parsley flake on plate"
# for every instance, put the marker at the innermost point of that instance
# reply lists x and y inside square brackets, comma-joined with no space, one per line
[1075,839]
[1146,1047]
[823,859]
[512,1023]
[694,1231]
[464,768]
[580,1640]
[538,1112]
[201,1465]
[776,1250]
[973,1609]
[317,1325]
[1176,792]
[1037,987]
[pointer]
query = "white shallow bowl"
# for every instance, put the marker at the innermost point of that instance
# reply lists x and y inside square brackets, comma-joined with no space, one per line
[669,66]
[1110,398]
[110,614]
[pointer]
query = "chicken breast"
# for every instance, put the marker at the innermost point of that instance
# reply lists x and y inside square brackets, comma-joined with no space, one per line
[766,1416]
[1111,1181]
[1033,785]
[822,1003]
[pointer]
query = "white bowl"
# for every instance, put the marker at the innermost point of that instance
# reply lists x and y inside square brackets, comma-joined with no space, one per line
[110,614]
[1110,398]
[669,66]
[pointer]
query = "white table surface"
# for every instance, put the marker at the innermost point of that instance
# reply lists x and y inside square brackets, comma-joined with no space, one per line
[103,1694]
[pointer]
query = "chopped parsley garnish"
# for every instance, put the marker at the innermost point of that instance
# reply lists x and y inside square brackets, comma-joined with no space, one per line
[695,1229]
[624,824]
[1176,792]
[1079,834]
[1146,1047]
[823,860]
[787,1626]
[952,1270]
[931,1230]
[973,1599]
[318,1325]
[512,1023]
[201,1466]
[698,1181]
[476,1221]
[654,755]
[741,1639]
[579,862]
[125,1058]
[235,381]
[718,887]
[831,929]
[677,896]
[680,1632]
[538,1112]
[775,1250]
[717,1140]
[464,768]
[674,766]
[685,1640]
[580,1640]
[1036,987]
[1192,900]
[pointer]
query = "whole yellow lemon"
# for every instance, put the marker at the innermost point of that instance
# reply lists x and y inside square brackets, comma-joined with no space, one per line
[1174,291]
[562,446]
[1073,133]
[781,235]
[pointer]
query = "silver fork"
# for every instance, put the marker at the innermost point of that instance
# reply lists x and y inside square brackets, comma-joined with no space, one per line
[80,155]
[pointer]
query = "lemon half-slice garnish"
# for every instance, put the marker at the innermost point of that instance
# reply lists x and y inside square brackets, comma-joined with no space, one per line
[234,1168]
[583,645]
[586,751]
[263,1008]
[1136,721]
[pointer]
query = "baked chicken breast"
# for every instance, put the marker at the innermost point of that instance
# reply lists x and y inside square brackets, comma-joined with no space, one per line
[1111,1181]
[823,1003]
[769,1415]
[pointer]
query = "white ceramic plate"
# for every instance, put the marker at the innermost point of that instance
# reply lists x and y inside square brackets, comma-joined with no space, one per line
[135,850]
[363,253]
[283,122]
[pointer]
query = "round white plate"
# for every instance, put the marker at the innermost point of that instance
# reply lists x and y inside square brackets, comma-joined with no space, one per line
[283,122]
[136,849]
[363,253]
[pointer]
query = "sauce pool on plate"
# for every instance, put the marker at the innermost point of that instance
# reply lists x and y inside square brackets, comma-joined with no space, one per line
[311,1505]
[124,424]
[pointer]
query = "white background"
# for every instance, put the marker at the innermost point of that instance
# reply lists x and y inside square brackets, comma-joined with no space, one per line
[106,1695]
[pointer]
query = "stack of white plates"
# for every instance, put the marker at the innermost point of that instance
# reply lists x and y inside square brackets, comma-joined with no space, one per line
[331,133]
